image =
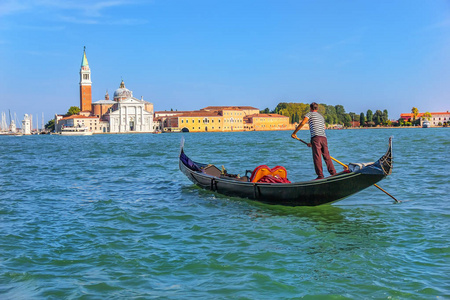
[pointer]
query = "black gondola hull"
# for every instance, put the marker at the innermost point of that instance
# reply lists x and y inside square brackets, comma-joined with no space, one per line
[309,193]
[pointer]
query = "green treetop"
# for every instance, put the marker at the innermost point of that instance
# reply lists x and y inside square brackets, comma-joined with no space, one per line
[73,110]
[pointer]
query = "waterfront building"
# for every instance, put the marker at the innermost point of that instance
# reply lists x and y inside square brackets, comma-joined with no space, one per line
[437,118]
[224,119]
[247,110]
[259,122]
[162,117]
[157,126]
[93,123]
[129,114]
[221,118]
[198,121]
[233,119]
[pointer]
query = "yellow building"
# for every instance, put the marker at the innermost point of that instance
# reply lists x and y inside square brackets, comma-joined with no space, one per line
[260,122]
[229,119]
[194,121]
[223,119]
[248,110]
[233,119]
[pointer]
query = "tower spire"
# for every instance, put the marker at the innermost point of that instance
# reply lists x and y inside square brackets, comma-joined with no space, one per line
[85,84]
[84,61]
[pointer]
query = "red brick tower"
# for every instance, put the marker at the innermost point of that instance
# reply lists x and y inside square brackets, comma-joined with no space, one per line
[85,85]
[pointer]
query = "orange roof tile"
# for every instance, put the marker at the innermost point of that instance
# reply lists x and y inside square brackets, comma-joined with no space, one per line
[199,114]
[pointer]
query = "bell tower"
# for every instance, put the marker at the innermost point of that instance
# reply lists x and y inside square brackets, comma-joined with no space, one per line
[85,85]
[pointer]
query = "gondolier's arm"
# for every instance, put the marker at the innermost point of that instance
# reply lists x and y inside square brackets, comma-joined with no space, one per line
[294,134]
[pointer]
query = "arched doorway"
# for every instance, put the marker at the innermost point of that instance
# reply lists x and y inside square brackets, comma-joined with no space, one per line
[184,130]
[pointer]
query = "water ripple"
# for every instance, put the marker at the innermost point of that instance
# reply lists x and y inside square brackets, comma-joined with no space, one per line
[111,216]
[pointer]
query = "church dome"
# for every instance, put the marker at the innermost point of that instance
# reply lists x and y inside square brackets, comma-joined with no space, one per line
[122,92]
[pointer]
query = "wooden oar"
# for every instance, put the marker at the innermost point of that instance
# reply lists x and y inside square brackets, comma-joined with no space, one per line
[345,166]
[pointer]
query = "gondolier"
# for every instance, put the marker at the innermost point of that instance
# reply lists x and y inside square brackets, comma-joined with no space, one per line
[319,142]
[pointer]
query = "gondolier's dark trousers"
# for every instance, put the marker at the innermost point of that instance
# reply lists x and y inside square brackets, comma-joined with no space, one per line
[320,148]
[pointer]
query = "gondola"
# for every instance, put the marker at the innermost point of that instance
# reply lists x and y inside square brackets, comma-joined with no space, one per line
[355,178]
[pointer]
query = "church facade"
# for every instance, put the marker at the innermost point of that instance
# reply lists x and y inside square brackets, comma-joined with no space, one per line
[128,114]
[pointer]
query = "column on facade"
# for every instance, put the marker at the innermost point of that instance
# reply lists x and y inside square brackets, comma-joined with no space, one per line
[142,119]
[136,120]
[120,118]
[127,124]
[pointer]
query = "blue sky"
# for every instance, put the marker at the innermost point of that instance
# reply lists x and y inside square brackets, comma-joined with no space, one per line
[188,54]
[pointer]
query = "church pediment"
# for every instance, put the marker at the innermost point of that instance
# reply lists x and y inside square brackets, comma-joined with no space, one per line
[130,101]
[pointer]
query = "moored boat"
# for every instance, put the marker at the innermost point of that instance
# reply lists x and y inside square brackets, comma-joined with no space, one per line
[71,131]
[357,177]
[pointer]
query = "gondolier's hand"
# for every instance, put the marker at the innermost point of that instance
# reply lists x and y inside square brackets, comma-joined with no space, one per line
[309,145]
[294,136]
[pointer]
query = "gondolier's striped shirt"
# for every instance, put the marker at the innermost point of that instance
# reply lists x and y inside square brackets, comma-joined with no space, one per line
[316,124]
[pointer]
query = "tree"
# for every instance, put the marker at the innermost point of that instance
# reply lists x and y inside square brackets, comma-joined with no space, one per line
[385,117]
[347,120]
[340,112]
[378,118]
[340,109]
[73,110]
[362,119]
[50,126]
[415,112]
[265,111]
[330,115]
[322,109]
[369,116]
[427,116]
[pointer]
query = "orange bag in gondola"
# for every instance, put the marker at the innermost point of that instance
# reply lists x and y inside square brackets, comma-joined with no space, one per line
[264,170]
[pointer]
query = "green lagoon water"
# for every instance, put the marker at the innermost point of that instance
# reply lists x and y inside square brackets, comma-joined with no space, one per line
[112,217]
